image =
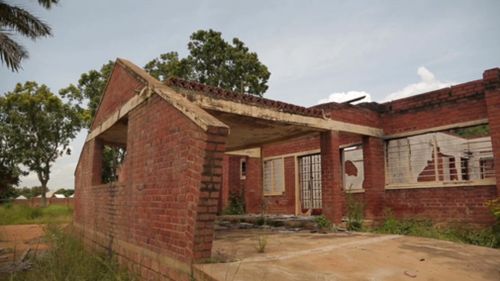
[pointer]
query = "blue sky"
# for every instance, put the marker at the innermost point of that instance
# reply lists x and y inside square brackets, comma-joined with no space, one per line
[316,50]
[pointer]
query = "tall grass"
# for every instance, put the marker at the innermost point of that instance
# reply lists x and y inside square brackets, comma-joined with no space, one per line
[425,228]
[20,214]
[67,259]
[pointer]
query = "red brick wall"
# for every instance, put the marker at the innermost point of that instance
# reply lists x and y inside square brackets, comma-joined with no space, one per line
[285,203]
[253,186]
[161,219]
[492,84]
[460,103]
[351,114]
[333,196]
[121,87]
[374,183]
[447,204]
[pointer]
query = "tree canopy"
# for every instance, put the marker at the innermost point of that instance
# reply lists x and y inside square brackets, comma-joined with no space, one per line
[211,61]
[216,62]
[39,126]
[14,19]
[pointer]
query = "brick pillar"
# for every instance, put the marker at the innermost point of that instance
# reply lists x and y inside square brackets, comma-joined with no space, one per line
[374,183]
[97,148]
[491,81]
[211,182]
[224,193]
[332,193]
[253,186]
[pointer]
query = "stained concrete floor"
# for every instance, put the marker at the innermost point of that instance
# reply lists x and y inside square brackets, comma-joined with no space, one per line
[345,256]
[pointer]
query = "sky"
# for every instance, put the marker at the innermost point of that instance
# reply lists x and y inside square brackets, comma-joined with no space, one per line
[316,51]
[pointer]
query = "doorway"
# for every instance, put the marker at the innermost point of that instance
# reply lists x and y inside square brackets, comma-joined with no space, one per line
[310,181]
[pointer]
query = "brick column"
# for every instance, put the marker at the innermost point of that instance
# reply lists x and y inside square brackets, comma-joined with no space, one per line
[374,183]
[491,81]
[332,193]
[211,182]
[96,148]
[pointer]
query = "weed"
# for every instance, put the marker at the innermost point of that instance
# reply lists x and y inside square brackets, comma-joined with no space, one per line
[20,214]
[355,212]
[425,228]
[261,220]
[261,244]
[323,223]
[236,205]
[67,259]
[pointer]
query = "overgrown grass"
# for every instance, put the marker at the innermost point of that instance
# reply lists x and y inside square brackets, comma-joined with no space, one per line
[20,214]
[67,259]
[425,228]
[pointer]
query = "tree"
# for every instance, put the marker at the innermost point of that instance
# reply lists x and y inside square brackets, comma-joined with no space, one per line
[215,62]
[212,61]
[16,19]
[40,125]
[65,192]
[88,91]
[9,171]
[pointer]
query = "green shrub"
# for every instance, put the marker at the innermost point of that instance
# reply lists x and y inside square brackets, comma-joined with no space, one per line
[67,259]
[261,244]
[322,222]
[425,228]
[355,213]
[236,205]
[261,220]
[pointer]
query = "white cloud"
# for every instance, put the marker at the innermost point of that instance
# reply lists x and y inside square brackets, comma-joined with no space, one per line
[428,83]
[345,96]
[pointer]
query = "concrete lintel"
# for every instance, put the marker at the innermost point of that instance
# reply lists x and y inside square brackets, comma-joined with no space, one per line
[118,114]
[250,152]
[199,116]
[283,117]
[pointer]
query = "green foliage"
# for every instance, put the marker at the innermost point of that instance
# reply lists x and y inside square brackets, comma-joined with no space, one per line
[425,228]
[473,132]
[236,205]
[355,213]
[29,192]
[261,244]
[87,94]
[322,222]
[112,158]
[261,220]
[7,192]
[67,259]
[39,126]
[215,62]
[15,19]
[65,192]
[20,214]
[9,164]
[494,207]
[211,60]
[169,65]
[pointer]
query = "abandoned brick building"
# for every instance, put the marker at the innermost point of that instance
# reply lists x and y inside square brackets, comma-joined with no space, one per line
[189,147]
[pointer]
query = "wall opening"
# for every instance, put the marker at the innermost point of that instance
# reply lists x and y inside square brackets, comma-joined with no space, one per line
[273,176]
[310,181]
[353,168]
[113,153]
[462,156]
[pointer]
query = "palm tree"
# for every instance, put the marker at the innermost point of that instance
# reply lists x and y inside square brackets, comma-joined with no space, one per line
[14,19]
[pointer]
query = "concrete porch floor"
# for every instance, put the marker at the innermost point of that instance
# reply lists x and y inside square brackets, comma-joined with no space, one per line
[345,256]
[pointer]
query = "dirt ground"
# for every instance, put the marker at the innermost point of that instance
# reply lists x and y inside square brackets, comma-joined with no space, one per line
[346,256]
[16,240]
